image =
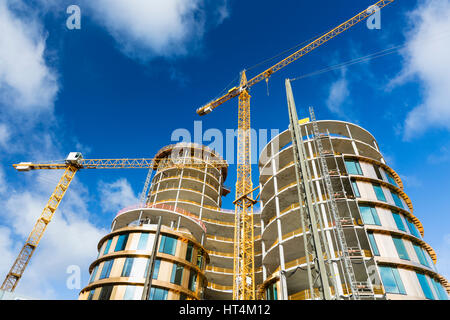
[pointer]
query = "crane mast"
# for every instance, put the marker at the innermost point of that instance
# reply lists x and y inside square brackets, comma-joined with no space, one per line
[244,260]
[244,264]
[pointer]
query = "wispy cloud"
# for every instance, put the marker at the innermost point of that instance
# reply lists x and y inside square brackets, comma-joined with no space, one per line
[427,59]
[442,156]
[116,195]
[157,28]
[27,83]
[338,94]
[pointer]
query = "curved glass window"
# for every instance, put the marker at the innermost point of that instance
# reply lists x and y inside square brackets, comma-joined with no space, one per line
[107,265]
[369,215]
[121,242]
[398,221]
[391,280]
[379,192]
[168,245]
[108,245]
[425,286]
[353,167]
[158,294]
[400,246]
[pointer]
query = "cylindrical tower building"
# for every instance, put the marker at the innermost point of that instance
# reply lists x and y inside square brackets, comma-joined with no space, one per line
[389,258]
[194,258]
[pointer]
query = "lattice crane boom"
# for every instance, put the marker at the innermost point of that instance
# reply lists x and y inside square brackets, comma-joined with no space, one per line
[243,277]
[71,165]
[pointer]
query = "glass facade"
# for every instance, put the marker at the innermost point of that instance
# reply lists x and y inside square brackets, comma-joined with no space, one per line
[369,215]
[158,294]
[355,189]
[398,221]
[425,286]
[106,269]
[271,292]
[412,229]
[168,245]
[121,242]
[397,200]
[400,246]
[143,240]
[379,192]
[353,167]
[373,244]
[391,280]
[420,255]
[177,274]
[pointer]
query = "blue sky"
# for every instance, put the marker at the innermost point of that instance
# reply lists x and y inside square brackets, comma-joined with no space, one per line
[137,70]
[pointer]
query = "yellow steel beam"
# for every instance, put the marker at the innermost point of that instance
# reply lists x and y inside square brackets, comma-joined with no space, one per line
[244,260]
[36,234]
[293,57]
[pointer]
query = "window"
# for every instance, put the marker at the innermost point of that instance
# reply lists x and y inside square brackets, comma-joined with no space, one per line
[377,172]
[353,167]
[192,280]
[168,245]
[412,228]
[200,258]
[158,294]
[391,280]
[439,290]
[121,242]
[379,192]
[271,292]
[177,274]
[91,294]
[373,244]
[107,265]
[391,179]
[156,269]
[94,273]
[369,215]
[355,189]
[189,252]
[400,246]
[142,245]
[108,244]
[397,200]
[129,293]
[105,293]
[398,221]
[139,267]
[420,255]
[128,265]
[425,286]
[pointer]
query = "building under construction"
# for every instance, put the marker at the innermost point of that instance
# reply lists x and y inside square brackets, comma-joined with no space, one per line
[335,222]
[370,244]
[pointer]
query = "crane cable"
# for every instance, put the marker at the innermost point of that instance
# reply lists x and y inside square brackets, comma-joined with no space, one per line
[369,57]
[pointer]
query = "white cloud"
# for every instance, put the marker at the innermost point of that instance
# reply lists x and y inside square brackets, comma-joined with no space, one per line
[70,239]
[427,58]
[26,81]
[149,28]
[4,135]
[116,195]
[338,94]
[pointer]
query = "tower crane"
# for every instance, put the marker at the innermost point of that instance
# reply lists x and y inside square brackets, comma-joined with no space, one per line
[244,264]
[71,165]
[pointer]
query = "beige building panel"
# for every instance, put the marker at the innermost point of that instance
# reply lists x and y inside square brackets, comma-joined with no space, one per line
[386,218]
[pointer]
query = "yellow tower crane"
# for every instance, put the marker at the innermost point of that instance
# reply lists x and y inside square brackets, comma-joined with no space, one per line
[71,165]
[244,263]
